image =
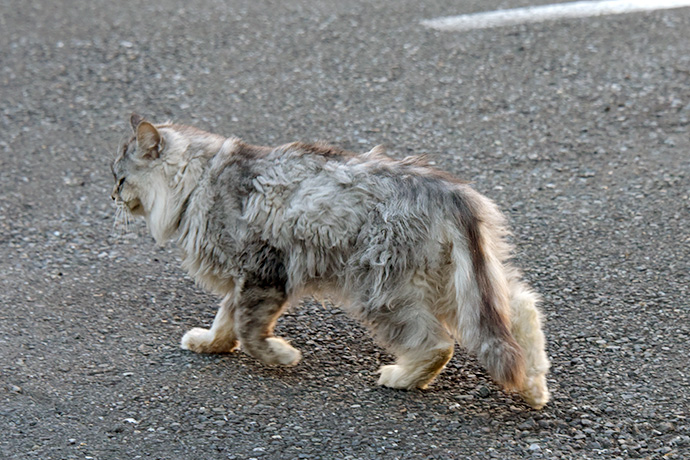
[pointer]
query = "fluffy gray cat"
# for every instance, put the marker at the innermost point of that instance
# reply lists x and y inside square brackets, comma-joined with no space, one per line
[416,255]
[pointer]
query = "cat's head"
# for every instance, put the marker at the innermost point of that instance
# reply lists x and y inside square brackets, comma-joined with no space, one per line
[157,168]
[133,166]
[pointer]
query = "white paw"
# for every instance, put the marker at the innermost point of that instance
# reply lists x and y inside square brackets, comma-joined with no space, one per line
[394,376]
[196,339]
[283,353]
[535,392]
[203,340]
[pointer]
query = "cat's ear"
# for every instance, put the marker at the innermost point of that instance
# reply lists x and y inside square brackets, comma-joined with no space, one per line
[134,120]
[149,141]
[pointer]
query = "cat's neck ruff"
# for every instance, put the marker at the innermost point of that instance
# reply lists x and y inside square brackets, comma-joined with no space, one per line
[229,146]
[183,171]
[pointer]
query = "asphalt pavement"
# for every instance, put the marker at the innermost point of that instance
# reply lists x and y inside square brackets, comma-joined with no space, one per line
[578,128]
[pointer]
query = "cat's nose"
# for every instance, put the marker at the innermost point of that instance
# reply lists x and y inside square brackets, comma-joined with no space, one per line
[114,194]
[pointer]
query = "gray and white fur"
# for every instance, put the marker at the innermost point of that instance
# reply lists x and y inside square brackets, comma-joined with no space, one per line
[416,255]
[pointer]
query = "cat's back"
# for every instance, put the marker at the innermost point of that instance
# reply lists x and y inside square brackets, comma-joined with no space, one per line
[299,185]
[315,204]
[308,193]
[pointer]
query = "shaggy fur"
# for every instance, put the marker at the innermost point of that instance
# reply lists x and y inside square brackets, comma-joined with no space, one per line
[416,255]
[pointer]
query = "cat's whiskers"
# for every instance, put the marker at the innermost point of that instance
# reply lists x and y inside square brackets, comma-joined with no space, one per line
[123,218]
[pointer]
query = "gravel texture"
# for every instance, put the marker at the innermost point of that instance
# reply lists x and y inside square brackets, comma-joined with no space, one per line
[579,129]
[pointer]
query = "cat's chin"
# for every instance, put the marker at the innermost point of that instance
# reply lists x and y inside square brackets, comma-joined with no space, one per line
[135,207]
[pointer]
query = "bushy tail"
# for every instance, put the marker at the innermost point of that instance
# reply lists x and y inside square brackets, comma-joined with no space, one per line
[482,290]
[484,321]
[497,315]
[499,352]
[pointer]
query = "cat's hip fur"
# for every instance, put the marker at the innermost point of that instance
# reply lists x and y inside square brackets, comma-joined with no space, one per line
[418,256]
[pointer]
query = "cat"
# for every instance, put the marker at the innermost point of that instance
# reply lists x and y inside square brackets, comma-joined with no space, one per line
[416,255]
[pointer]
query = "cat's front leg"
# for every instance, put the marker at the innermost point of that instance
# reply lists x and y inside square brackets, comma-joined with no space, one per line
[255,316]
[221,338]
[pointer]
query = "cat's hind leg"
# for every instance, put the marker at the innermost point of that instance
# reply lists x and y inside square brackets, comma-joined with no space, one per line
[221,338]
[421,345]
[256,313]
[526,327]
[415,369]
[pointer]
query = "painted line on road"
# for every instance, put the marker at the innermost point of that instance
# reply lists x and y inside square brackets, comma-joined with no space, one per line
[532,14]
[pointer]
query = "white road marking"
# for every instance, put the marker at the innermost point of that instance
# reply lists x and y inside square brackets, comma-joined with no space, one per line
[533,14]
